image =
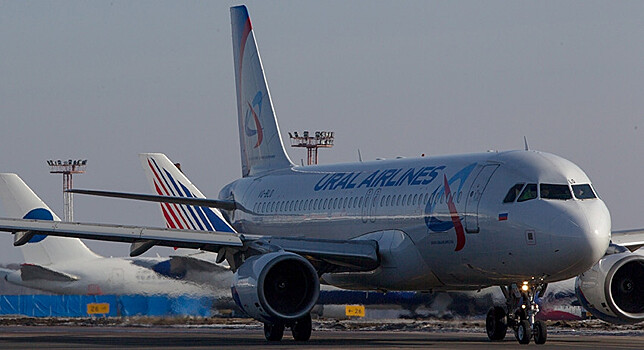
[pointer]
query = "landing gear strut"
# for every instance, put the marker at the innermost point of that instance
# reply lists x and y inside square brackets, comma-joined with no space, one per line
[301,329]
[522,309]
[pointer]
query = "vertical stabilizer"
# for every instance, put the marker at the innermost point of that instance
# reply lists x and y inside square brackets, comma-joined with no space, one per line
[261,144]
[167,180]
[19,201]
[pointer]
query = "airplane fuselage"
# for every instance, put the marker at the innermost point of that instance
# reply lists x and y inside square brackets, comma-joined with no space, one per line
[441,222]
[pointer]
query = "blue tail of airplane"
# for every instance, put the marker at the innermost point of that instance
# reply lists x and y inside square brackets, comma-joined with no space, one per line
[260,140]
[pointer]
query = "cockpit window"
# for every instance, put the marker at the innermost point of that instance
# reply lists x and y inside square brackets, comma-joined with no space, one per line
[551,191]
[529,192]
[583,191]
[513,193]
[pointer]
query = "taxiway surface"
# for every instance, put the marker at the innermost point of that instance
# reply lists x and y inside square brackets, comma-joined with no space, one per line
[74,337]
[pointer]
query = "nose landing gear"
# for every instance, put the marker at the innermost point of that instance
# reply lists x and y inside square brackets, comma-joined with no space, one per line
[522,309]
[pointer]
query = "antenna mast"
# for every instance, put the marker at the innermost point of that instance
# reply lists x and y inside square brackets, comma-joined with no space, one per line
[67,168]
[322,139]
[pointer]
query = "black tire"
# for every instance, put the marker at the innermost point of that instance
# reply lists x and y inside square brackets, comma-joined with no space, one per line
[273,331]
[540,332]
[524,333]
[301,330]
[496,324]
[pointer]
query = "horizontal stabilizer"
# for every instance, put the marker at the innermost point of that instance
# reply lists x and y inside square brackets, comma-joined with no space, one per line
[202,202]
[30,272]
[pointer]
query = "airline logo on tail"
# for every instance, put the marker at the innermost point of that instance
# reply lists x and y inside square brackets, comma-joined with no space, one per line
[38,214]
[253,109]
[445,193]
[183,216]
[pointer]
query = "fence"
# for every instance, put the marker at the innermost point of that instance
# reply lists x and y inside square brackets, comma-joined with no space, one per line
[104,305]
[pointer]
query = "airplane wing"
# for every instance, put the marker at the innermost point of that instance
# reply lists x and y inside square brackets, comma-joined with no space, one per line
[334,255]
[202,202]
[631,239]
[184,263]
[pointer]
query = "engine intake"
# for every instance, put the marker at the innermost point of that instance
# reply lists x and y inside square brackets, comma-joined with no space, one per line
[613,289]
[276,286]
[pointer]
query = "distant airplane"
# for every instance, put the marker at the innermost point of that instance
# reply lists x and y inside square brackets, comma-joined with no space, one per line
[518,219]
[67,266]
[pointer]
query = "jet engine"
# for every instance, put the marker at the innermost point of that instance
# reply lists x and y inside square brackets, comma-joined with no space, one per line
[613,289]
[276,287]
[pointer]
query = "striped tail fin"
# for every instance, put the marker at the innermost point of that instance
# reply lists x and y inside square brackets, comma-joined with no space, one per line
[167,180]
[261,144]
[19,201]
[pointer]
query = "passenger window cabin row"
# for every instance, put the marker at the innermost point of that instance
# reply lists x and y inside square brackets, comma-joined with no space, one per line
[339,203]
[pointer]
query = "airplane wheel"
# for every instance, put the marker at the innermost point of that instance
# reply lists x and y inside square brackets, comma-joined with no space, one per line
[540,332]
[523,332]
[302,328]
[273,331]
[496,324]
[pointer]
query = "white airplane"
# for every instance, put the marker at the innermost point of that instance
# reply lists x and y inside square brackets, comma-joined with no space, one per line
[64,265]
[558,303]
[516,219]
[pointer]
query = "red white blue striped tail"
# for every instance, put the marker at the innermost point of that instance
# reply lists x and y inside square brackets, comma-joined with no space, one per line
[167,180]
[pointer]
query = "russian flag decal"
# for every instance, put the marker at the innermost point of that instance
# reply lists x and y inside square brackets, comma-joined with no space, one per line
[503,216]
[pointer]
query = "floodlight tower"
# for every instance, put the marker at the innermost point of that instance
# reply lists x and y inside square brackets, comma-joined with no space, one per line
[67,168]
[322,139]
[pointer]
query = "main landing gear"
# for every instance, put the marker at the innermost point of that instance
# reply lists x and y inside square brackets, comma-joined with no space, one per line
[522,309]
[301,329]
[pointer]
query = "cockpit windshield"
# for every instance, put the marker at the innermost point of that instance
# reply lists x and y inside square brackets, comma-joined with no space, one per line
[583,191]
[521,192]
[529,192]
[513,193]
[552,191]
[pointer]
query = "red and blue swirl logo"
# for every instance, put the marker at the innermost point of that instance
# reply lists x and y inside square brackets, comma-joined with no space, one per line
[447,194]
[252,118]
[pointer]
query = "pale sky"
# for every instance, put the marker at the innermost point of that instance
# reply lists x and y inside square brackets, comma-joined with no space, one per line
[105,81]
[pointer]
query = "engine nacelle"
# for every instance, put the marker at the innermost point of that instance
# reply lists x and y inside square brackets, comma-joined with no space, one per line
[613,289]
[276,287]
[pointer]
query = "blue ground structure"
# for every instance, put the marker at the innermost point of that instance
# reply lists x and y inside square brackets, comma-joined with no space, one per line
[119,305]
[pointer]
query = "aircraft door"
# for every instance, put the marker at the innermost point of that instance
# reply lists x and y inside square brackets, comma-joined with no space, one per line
[366,207]
[374,206]
[473,198]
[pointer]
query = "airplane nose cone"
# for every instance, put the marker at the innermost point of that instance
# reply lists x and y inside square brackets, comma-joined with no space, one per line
[582,235]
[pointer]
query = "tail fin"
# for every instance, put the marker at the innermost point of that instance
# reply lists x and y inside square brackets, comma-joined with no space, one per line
[167,180]
[20,201]
[261,144]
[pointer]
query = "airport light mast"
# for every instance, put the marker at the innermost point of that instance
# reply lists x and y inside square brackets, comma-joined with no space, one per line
[67,168]
[322,139]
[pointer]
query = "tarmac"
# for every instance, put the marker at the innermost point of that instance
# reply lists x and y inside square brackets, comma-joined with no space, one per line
[326,335]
